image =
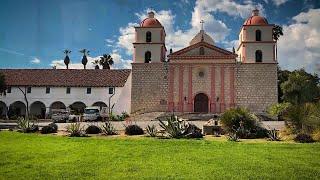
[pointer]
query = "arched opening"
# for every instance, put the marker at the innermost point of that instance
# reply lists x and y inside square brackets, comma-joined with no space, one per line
[38,109]
[57,105]
[99,104]
[147,57]
[78,107]
[258,35]
[148,36]
[201,51]
[201,103]
[16,109]
[258,56]
[3,110]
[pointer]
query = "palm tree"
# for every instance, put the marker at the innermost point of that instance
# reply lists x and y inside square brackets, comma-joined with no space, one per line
[277,32]
[67,59]
[96,62]
[84,57]
[106,61]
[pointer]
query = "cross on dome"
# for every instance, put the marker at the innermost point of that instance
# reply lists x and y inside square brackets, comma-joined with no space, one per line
[202,22]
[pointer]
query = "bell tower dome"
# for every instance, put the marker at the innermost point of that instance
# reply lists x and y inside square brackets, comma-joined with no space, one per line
[149,45]
[256,44]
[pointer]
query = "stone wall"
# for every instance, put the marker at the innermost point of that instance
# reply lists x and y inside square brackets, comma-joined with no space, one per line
[256,86]
[149,87]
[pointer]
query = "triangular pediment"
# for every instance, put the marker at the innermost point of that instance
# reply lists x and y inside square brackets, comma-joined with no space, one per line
[203,49]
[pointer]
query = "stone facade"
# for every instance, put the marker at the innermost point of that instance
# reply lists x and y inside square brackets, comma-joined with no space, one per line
[203,77]
[256,86]
[149,87]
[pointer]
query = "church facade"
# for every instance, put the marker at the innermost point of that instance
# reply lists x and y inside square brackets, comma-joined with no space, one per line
[203,77]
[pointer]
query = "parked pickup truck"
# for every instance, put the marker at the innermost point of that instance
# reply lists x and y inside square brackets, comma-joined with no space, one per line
[92,114]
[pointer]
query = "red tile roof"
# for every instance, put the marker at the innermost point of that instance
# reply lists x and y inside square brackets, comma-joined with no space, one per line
[66,77]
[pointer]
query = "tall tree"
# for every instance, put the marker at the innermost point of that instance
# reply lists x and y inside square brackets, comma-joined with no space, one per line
[24,92]
[283,76]
[3,86]
[106,61]
[67,59]
[277,32]
[301,87]
[96,63]
[84,57]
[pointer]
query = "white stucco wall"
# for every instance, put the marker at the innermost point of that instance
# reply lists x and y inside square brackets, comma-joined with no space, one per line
[98,94]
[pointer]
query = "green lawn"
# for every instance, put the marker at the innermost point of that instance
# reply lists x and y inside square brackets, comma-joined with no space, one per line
[34,156]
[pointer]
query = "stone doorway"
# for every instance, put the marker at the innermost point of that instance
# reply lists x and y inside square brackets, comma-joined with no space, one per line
[201,102]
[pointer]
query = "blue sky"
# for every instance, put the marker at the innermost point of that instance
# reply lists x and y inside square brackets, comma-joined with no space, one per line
[34,33]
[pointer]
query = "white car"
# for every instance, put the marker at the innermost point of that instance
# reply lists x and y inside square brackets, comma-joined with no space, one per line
[92,114]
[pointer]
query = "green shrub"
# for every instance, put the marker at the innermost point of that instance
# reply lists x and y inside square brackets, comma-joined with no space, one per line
[133,130]
[316,135]
[240,120]
[192,131]
[109,129]
[75,129]
[278,110]
[303,118]
[92,129]
[303,138]
[54,126]
[48,129]
[152,130]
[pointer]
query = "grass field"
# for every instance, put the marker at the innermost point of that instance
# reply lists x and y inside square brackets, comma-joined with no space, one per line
[33,156]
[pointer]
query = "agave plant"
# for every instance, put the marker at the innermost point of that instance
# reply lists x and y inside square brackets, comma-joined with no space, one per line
[273,135]
[75,129]
[85,53]
[151,130]
[173,127]
[67,59]
[109,129]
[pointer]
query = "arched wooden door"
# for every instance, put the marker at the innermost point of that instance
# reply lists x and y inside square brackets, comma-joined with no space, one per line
[201,102]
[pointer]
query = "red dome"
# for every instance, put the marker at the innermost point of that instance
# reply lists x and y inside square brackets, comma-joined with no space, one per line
[150,22]
[255,19]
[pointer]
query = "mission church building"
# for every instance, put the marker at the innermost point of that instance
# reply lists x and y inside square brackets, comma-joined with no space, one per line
[203,77]
[198,78]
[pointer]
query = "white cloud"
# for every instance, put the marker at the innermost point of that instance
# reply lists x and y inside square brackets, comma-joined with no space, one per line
[300,45]
[126,38]
[279,2]
[35,60]
[177,38]
[119,62]
[230,7]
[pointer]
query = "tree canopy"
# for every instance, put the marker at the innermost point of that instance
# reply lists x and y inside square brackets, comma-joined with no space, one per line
[301,87]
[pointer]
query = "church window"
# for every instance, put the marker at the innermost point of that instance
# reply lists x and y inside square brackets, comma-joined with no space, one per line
[147,57]
[29,90]
[258,56]
[201,73]
[258,35]
[201,51]
[148,36]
